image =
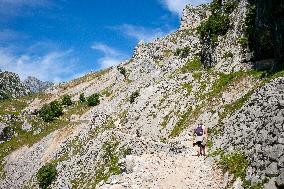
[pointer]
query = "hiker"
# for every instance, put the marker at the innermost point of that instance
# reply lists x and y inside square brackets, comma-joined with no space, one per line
[201,138]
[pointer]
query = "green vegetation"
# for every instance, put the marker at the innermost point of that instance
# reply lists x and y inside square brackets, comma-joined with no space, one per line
[192,65]
[106,92]
[250,24]
[12,106]
[187,87]
[219,22]
[133,96]
[66,100]
[183,52]
[82,98]
[243,41]
[51,111]
[166,120]
[111,154]
[46,175]
[228,55]
[122,70]
[94,100]
[236,163]
[197,76]
[181,124]
[230,6]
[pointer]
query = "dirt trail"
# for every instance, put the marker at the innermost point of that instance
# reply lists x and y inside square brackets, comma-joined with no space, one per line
[167,171]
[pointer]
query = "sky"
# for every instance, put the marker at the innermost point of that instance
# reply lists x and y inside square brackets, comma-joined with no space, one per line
[58,40]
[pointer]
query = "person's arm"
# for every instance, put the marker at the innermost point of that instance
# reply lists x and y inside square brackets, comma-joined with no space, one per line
[206,133]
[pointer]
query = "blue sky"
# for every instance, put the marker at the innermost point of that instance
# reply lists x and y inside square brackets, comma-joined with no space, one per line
[57,40]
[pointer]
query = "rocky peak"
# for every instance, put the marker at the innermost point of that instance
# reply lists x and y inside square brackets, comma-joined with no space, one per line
[11,86]
[192,16]
[37,85]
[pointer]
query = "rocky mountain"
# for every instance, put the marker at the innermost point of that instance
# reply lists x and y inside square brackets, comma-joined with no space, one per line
[11,86]
[36,85]
[131,126]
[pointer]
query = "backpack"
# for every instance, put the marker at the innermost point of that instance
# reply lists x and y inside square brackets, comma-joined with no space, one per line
[199,130]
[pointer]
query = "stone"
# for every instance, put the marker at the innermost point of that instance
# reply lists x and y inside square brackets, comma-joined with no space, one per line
[26,126]
[270,184]
[272,170]
[238,184]
[280,180]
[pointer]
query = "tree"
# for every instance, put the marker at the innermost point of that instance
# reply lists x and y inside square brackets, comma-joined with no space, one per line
[82,98]
[94,100]
[66,100]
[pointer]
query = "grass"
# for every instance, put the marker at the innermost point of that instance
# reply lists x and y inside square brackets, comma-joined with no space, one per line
[106,92]
[28,138]
[182,123]
[192,65]
[166,120]
[235,163]
[12,106]
[187,87]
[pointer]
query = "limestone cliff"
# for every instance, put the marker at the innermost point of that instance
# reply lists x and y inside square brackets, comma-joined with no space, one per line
[139,133]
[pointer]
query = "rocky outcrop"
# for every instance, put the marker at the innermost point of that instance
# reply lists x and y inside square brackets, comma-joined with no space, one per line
[36,85]
[192,16]
[257,129]
[11,86]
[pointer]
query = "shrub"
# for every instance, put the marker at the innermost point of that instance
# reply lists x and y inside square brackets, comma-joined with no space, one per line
[122,70]
[230,6]
[82,98]
[46,175]
[217,24]
[250,24]
[133,96]
[66,100]
[228,55]
[51,111]
[183,53]
[6,134]
[192,65]
[243,41]
[236,163]
[94,100]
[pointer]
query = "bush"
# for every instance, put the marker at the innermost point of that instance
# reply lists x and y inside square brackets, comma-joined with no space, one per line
[46,175]
[228,55]
[6,134]
[66,100]
[217,24]
[250,24]
[236,163]
[183,53]
[51,111]
[192,65]
[82,98]
[230,6]
[133,96]
[243,41]
[94,100]
[122,70]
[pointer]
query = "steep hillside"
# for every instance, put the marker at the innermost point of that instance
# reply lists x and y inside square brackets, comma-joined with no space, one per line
[139,133]
[11,86]
[35,85]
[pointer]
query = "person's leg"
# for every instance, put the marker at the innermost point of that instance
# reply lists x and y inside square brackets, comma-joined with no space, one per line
[203,149]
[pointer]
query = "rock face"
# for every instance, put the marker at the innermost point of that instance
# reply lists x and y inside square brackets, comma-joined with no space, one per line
[11,86]
[192,16]
[36,85]
[258,130]
[140,135]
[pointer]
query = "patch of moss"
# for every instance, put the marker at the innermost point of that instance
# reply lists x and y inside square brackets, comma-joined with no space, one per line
[192,65]
[187,87]
[235,163]
[181,124]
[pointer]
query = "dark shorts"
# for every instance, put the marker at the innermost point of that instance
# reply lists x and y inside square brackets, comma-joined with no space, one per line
[199,144]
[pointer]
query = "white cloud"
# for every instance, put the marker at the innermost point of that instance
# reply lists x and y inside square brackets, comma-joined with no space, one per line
[111,56]
[10,8]
[53,66]
[176,6]
[140,32]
